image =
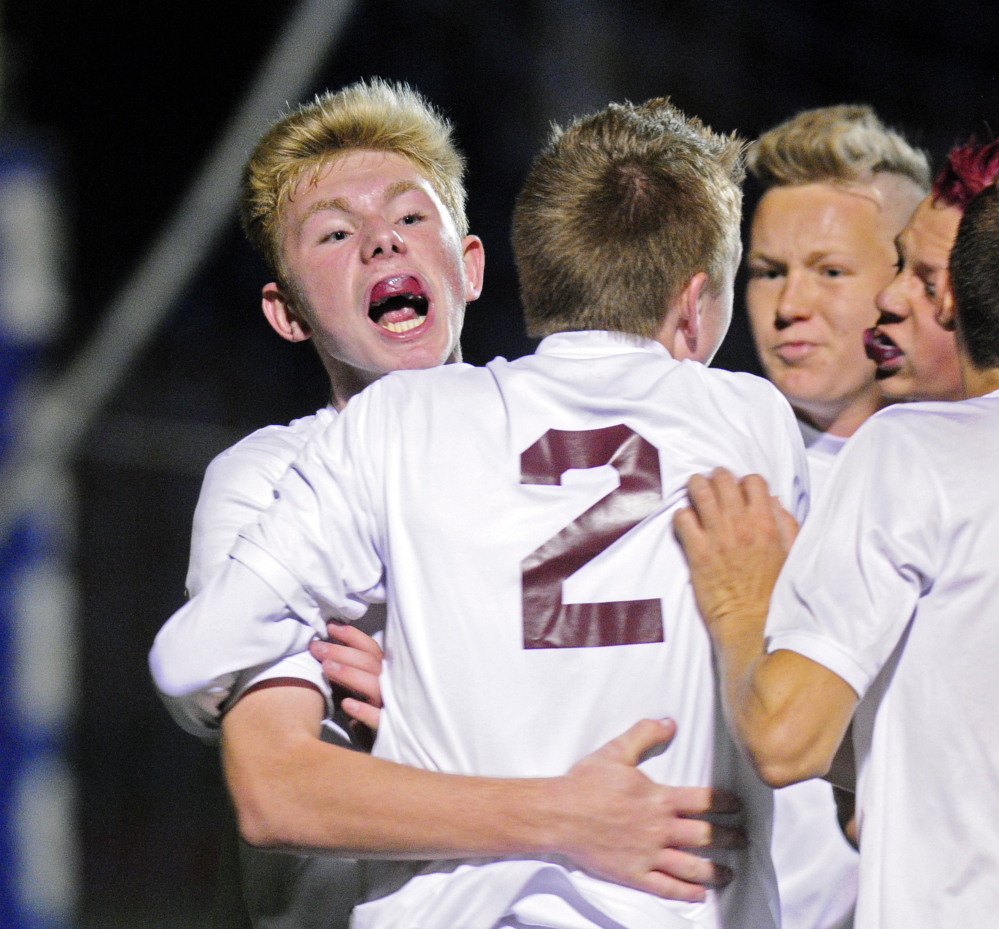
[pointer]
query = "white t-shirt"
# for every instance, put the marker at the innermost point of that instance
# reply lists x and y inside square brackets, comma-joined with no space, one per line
[439,489]
[893,584]
[816,867]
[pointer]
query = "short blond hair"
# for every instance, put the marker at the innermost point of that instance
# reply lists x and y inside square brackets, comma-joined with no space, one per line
[846,143]
[620,210]
[370,115]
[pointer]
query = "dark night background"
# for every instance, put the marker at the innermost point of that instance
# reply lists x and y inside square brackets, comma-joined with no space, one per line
[129,98]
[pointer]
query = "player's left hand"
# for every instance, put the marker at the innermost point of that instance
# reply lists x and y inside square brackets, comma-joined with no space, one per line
[736,538]
[353,661]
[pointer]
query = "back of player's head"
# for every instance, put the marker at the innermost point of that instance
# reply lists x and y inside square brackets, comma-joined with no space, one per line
[844,144]
[968,170]
[620,210]
[974,278]
[367,116]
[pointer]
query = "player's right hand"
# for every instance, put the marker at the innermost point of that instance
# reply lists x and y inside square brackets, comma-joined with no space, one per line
[623,827]
[353,661]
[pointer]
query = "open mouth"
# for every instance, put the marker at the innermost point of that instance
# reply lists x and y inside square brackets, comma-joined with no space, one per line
[880,348]
[398,304]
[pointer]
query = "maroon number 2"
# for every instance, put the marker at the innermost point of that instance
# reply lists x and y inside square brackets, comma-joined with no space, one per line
[548,622]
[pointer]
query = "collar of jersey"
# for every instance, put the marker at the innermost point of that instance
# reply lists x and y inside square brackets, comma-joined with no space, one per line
[593,343]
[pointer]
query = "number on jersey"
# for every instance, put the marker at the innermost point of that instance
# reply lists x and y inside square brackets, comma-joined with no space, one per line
[548,622]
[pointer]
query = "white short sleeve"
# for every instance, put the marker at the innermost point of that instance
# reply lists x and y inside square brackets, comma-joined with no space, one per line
[863,557]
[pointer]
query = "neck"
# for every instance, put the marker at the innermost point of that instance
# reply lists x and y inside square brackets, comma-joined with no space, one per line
[842,419]
[978,381]
[346,381]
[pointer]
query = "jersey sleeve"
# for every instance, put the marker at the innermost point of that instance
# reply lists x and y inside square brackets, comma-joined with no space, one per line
[863,557]
[318,545]
[311,557]
[219,643]
[237,488]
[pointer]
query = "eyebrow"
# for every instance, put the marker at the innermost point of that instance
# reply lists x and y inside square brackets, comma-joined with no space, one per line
[401,187]
[811,258]
[396,189]
[321,206]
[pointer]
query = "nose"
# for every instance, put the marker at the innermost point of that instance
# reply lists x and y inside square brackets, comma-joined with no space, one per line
[794,302]
[382,240]
[891,302]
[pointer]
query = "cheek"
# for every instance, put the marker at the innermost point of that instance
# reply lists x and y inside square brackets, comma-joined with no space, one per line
[933,348]
[848,323]
[761,310]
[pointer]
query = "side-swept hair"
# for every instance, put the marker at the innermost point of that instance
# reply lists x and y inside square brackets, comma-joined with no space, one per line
[619,211]
[974,271]
[968,170]
[370,115]
[845,143]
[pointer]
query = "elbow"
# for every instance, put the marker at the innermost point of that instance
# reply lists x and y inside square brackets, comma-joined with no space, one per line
[778,773]
[259,817]
[782,758]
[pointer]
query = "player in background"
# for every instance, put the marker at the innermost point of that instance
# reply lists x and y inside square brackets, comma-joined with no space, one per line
[361,156]
[838,187]
[466,496]
[886,608]
[914,343]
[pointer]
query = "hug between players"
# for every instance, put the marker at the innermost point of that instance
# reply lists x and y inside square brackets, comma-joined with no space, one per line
[612,619]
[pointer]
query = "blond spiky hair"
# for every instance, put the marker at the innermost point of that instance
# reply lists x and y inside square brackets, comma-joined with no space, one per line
[370,115]
[846,143]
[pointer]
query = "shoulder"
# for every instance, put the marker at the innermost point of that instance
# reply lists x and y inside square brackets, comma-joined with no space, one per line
[902,423]
[742,387]
[746,402]
[238,486]
[421,389]
[268,451]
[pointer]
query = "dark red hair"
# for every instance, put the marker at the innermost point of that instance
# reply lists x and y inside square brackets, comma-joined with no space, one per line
[969,169]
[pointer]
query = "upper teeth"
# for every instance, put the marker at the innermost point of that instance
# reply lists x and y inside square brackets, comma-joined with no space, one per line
[405,325]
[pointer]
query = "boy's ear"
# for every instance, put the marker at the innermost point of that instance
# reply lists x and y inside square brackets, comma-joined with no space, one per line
[473,256]
[946,315]
[281,313]
[682,326]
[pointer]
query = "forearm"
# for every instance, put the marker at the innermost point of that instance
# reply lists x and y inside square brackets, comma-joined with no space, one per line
[292,790]
[789,712]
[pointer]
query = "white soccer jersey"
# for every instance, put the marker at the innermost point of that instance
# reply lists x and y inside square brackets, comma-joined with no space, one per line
[893,584]
[238,486]
[518,518]
[281,890]
[816,867]
[821,448]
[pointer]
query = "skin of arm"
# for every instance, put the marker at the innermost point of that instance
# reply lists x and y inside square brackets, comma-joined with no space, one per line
[789,712]
[292,790]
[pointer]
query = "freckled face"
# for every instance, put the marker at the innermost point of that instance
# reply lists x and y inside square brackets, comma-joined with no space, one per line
[376,265]
[818,255]
[919,359]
